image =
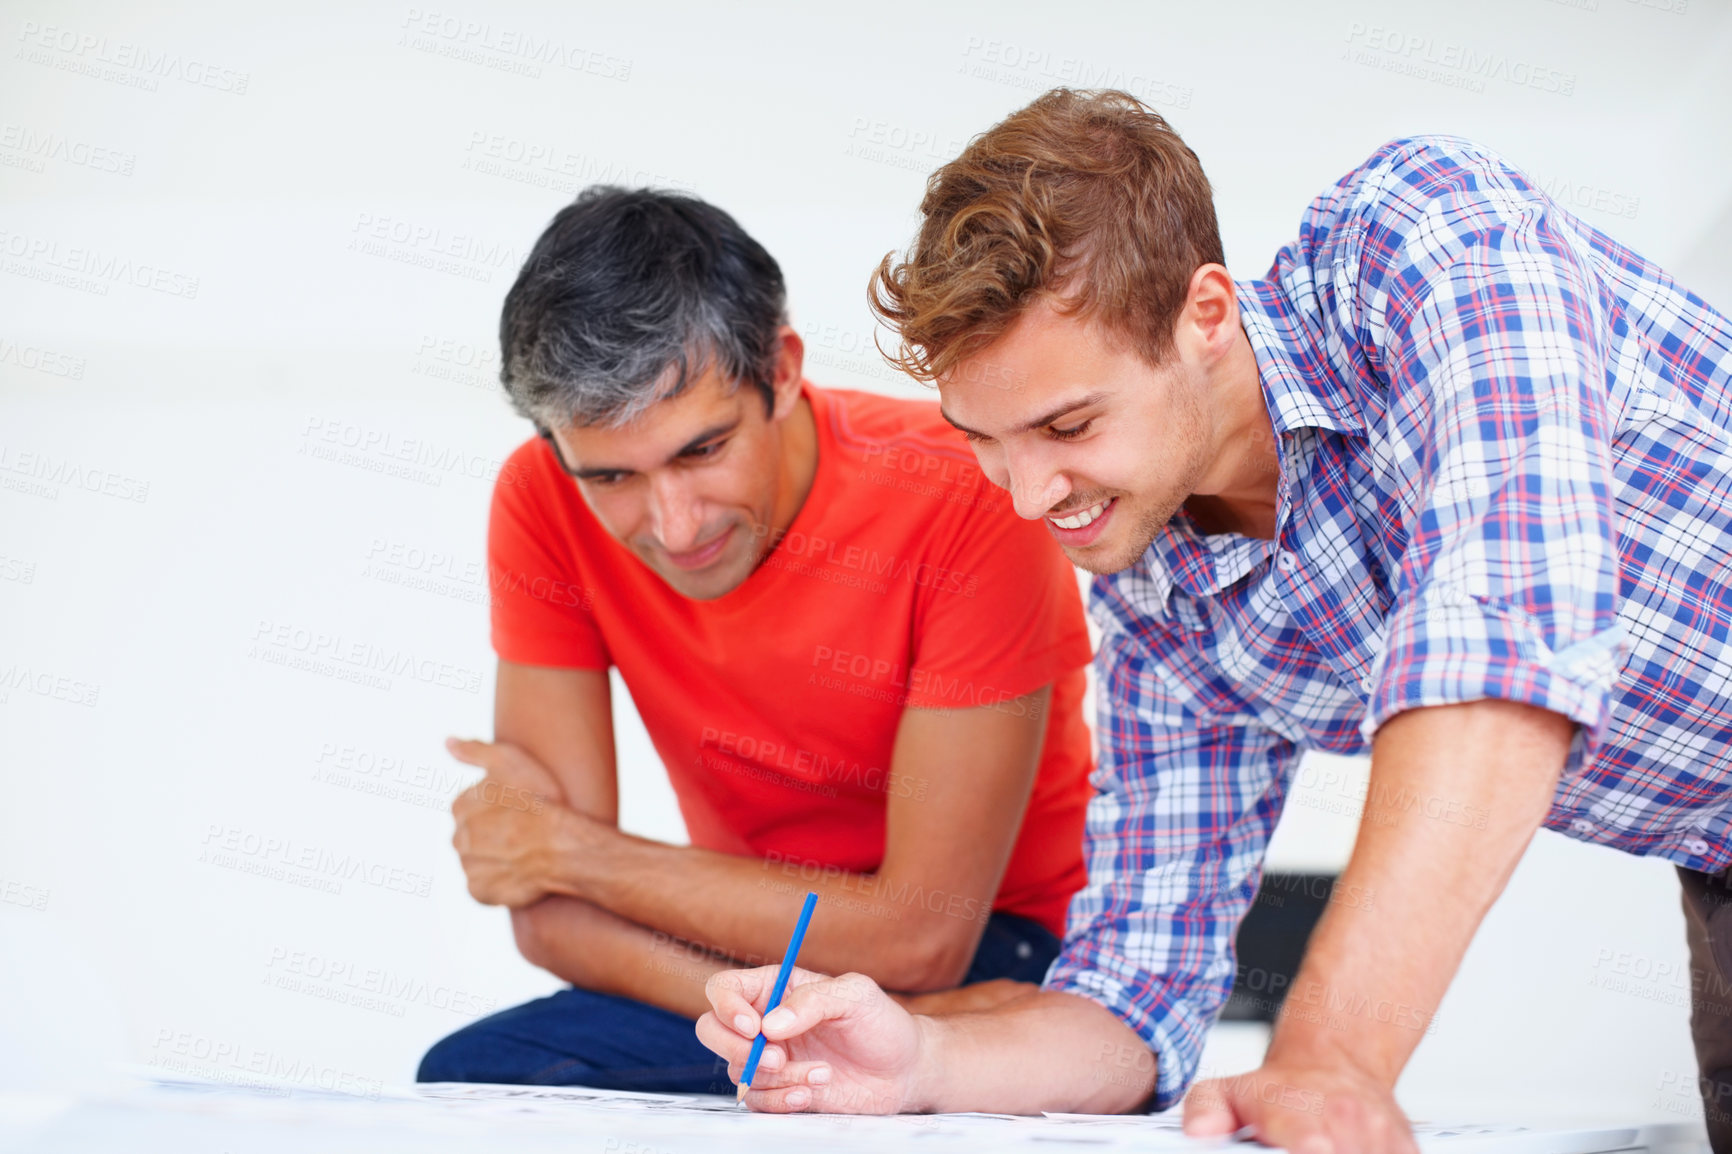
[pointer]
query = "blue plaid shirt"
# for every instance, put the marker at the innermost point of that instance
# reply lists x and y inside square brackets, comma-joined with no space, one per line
[1503,444]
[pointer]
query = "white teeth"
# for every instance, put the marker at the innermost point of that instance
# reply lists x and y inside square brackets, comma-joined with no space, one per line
[1078,520]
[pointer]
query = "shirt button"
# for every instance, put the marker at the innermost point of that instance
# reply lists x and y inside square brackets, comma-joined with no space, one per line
[1697,846]
[1582,825]
[1367,682]
[1288,561]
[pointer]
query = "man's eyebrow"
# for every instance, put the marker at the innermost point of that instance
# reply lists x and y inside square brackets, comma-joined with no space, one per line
[591,472]
[955,425]
[1039,422]
[708,434]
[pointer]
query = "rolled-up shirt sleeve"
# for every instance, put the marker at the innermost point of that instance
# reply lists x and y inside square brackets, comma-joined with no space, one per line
[1483,324]
[1174,843]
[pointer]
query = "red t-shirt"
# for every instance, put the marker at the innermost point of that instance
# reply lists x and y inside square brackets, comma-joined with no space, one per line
[904,580]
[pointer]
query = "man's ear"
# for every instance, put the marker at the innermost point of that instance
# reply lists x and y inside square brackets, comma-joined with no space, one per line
[789,370]
[1210,317]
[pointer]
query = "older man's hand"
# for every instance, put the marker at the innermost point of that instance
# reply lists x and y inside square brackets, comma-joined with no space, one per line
[512,828]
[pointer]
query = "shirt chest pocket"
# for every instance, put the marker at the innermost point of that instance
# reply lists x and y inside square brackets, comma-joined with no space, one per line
[1268,670]
[1330,587]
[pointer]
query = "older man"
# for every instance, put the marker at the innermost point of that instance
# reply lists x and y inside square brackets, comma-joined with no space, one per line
[862,672]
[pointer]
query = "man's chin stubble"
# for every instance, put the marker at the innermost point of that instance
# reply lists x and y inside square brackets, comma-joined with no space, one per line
[1146,529]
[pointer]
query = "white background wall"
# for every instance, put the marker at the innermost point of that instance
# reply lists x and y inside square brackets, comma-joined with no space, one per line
[224,238]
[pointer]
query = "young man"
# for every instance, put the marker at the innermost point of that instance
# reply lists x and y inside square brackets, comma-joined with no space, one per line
[1450,484]
[862,671]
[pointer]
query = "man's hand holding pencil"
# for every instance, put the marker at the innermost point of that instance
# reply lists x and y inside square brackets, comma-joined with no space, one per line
[836,1045]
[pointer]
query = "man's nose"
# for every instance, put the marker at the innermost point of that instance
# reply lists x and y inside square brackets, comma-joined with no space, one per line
[1034,487]
[678,518]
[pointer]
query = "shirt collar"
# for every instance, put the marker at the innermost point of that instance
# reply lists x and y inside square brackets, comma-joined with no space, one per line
[1200,564]
[1283,321]
[1300,393]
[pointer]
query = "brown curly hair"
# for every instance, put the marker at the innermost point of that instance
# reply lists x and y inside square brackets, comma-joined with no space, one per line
[1087,198]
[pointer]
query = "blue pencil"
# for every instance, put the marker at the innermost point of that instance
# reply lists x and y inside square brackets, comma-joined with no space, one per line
[776,994]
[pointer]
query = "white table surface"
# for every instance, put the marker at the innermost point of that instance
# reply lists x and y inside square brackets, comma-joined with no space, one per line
[192,1117]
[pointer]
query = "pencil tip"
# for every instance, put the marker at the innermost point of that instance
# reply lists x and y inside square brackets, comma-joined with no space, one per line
[740,1092]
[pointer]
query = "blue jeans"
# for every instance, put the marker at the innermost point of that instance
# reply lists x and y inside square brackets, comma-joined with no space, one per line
[581,1038]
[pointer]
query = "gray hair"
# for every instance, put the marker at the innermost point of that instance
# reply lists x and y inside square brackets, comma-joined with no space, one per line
[628,296]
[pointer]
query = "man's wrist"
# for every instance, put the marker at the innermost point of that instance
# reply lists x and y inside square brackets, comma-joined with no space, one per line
[926,1089]
[1315,1033]
[571,852]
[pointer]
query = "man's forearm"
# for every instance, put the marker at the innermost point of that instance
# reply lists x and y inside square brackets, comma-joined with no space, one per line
[1455,797]
[1048,1051]
[903,935]
[592,948]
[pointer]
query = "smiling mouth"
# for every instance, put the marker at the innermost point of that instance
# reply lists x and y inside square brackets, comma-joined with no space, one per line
[1082,517]
[703,554]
